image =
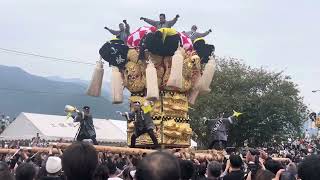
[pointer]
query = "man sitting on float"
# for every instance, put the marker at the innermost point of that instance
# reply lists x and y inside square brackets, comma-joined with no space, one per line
[122,33]
[193,34]
[163,23]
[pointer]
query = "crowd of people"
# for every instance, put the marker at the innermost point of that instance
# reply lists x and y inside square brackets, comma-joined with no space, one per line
[4,122]
[36,141]
[81,161]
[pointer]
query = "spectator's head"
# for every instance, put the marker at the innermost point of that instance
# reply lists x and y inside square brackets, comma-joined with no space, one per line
[309,168]
[235,161]
[202,170]
[214,169]
[292,168]
[273,166]
[3,166]
[263,175]
[25,171]
[112,167]
[162,18]
[194,28]
[287,176]
[53,165]
[4,172]
[121,26]
[187,169]
[102,172]
[6,175]
[79,161]
[158,166]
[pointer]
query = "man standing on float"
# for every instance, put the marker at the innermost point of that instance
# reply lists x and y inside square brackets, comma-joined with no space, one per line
[86,129]
[218,130]
[143,122]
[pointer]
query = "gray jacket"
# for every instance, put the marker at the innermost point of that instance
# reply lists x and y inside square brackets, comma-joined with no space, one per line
[159,25]
[221,132]
[86,124]
[123,35]
[194,35]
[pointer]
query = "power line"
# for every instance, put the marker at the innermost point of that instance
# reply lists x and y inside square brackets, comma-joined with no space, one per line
[50,58]
[11,90]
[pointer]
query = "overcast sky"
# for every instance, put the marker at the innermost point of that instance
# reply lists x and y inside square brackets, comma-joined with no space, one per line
[276,34]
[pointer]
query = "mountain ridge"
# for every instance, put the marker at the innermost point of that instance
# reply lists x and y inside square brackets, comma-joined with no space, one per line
[21,91]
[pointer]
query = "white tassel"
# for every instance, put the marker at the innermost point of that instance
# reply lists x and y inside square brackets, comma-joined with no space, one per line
[94,88]
[175,78]
[152,82]
[194,92]
[207,75]
[192,97]
[117,86]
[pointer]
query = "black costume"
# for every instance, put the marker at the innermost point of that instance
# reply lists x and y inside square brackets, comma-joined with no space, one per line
[203,50]
[218,132]
[160,42]
[86,129]
[115,53]
[142,124]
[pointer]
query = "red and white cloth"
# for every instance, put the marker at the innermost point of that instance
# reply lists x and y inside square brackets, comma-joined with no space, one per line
[186,42]
[135,37]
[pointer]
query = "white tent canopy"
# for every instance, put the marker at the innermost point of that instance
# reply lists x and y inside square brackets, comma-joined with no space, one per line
[54,127]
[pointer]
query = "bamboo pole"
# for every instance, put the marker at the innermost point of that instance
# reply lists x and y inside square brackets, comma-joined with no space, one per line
[32,149]
[214,155]
[203,155]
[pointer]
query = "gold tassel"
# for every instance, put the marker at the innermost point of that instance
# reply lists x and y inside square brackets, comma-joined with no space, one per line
[207,75]
[152,82]
[117,86]
[94,88]
[175,78]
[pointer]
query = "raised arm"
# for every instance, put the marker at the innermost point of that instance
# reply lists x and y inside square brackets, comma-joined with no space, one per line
[229,120]
[127,28]
[149,21]
[114,32]
[204,34]
[79,117]
[173,21]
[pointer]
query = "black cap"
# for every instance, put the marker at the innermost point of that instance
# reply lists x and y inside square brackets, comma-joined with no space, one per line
[86,107]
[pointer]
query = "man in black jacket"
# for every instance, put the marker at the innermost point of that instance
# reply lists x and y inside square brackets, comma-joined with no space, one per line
[86,129]
[143,123]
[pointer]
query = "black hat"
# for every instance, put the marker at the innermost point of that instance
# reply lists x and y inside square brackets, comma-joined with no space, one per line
[86,107]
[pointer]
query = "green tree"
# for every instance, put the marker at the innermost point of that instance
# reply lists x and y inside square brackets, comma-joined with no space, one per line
[270,101]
